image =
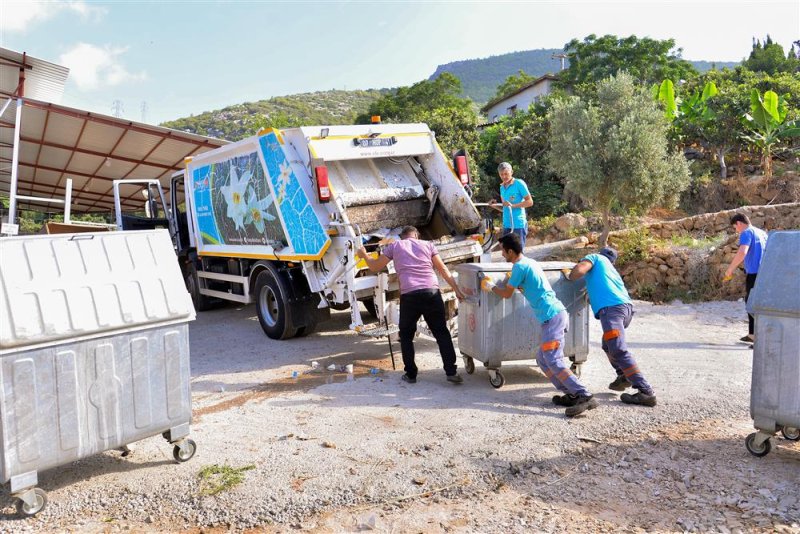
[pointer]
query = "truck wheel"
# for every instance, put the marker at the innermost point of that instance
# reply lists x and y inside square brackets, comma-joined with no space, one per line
[201,302]
[271,305]
[369,304]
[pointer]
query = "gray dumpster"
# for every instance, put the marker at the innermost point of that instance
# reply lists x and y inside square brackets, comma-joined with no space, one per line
[775,304]
[494,330]
[94,351]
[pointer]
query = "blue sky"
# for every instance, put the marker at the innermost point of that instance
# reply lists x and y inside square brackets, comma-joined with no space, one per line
[185,58]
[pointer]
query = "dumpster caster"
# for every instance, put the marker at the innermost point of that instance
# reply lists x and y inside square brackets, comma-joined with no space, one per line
[31,502]
[790,433]
[496,378]
[469,365]
[576,369]
[184,450]
[754,447]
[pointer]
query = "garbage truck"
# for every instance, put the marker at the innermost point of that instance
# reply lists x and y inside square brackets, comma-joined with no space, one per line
[275,219]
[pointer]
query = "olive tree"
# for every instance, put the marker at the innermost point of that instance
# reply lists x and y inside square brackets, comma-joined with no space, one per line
[613,153]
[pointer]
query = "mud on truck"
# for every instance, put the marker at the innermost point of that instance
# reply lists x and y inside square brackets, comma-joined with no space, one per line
[276,218]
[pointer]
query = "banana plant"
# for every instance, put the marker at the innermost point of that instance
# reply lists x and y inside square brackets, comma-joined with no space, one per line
[768,125]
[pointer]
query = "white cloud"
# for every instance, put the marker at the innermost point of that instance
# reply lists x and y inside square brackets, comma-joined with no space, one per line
[20,16]
[93,67]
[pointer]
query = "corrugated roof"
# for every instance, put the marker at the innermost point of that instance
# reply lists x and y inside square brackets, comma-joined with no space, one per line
[43,80]
[58,142]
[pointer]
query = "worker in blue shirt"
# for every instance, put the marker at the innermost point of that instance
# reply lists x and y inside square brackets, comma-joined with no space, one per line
[613,306]
[516,197]
[752,244]
[529,278]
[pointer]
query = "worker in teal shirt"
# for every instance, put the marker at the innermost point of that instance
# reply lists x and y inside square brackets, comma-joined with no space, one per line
[529,278]
[613,306]
[516,197]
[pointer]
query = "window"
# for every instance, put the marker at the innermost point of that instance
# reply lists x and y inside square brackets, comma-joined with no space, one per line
[512,109]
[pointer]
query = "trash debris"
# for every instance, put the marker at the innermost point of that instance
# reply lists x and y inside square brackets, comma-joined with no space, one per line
[314,365]
[374,371]
[295,374]
[349,368]
[332,367]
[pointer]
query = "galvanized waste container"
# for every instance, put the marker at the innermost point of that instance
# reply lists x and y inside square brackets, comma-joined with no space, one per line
[494,330]
[775,304]
[94,351]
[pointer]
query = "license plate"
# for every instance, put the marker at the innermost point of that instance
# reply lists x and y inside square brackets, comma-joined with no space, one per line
[377,141]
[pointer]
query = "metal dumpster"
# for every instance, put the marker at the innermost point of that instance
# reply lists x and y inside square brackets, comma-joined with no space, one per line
[493,330]
[94,351]
[775,304]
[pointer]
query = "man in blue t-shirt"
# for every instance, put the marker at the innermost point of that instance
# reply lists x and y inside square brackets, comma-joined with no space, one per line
[613,306]
[515,198]
[529,278]
[752,244]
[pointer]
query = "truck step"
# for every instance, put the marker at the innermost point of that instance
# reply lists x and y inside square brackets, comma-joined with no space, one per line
[378,331]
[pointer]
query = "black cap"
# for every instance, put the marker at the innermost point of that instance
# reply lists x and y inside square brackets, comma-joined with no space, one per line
[609,253]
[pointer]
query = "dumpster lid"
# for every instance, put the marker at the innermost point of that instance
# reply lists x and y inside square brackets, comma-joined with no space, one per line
[68,286]
[503,266]
[777,288]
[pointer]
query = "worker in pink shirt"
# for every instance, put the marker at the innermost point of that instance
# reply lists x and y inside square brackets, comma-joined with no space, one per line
[416,263]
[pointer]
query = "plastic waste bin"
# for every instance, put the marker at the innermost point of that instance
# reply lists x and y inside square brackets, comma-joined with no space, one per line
[94,351]
[775,304]
[494,330]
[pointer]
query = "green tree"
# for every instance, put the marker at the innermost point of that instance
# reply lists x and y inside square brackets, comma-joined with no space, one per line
[523,141]
[647,60]
[769,58]
[513,83]
[614,154]
[435,102]
[768,125]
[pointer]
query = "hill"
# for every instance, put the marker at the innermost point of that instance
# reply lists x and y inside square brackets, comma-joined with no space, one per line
[239,121]
[480,77]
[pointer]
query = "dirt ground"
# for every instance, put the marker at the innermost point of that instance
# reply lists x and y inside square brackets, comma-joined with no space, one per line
[330,452]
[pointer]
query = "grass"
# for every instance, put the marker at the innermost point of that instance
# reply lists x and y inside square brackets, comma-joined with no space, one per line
[215,478]
[694,242]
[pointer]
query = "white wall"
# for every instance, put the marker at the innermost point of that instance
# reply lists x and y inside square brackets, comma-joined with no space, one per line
[522,100]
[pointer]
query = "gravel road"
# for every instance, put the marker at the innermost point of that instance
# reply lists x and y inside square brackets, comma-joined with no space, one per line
[330,452]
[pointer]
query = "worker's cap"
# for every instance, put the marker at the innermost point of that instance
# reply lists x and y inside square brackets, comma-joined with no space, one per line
[609,253]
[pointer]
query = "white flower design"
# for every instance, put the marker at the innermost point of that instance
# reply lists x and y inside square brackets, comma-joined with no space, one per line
[234,194]
[286,173]
[257,210]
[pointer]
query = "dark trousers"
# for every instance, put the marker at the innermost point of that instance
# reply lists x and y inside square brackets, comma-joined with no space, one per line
[749,283]
[425,303]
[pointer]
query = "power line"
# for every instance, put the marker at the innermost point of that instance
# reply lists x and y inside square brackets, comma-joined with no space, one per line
[117,109]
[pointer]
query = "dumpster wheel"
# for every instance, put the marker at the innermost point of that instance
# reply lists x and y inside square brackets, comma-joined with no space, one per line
[184,453]
[496,378]
[39,502]
[755,450]
[792,434]
[469,365]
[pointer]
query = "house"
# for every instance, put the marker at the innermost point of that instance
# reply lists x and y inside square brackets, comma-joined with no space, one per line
[519,100]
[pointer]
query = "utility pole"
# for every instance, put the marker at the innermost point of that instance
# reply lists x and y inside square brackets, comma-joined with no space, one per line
[562,57]
[117,109]
[144,111]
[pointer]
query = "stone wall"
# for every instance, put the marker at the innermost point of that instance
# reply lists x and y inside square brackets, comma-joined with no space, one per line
[676,271]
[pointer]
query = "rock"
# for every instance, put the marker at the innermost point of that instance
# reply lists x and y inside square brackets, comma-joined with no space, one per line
[570,221]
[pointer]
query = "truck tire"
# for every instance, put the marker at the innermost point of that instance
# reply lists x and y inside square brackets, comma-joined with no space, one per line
[201,302]
[369,304]
[271,295]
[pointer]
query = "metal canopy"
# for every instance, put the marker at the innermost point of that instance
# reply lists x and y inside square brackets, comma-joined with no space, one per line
[58,142]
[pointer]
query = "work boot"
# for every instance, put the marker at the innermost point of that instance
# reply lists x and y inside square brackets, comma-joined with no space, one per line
[565,400]
[621,383]
[581,405]
[455,379]
[642,399]
[409,379]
